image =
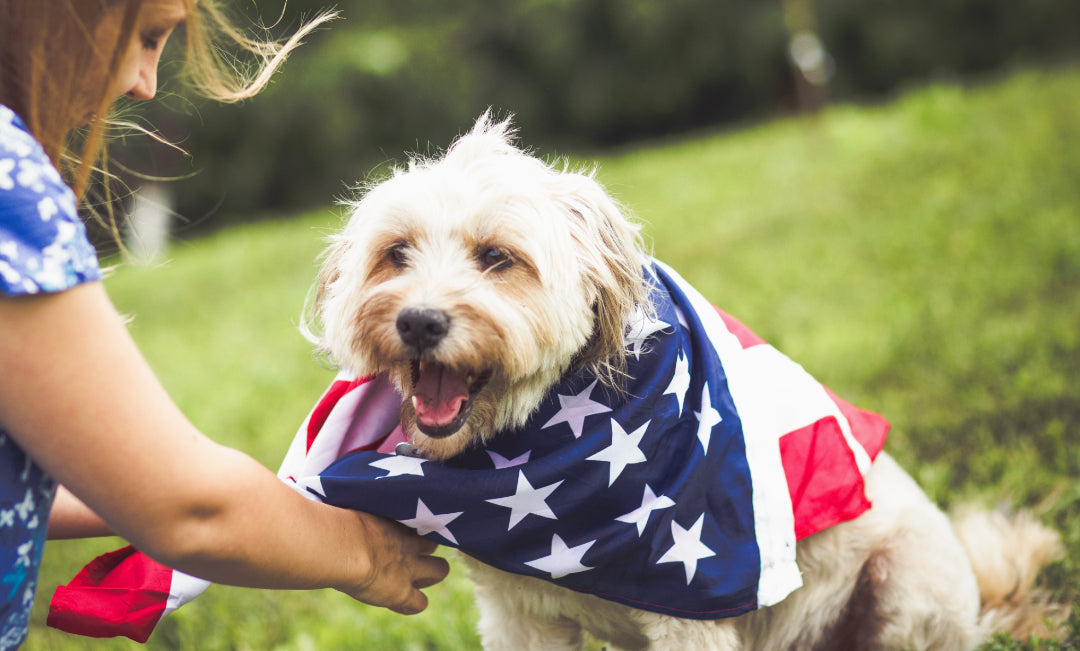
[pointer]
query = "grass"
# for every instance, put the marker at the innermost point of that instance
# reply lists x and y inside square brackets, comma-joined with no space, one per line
[921,258]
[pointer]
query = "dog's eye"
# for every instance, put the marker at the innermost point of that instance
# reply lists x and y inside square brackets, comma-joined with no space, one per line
[494,258]
[396,255]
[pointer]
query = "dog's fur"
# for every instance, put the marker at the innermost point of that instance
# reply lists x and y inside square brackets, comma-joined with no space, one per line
[476,280]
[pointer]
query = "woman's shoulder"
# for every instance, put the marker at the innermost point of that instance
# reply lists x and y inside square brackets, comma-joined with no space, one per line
[43,243]
[28,176]
[15,138]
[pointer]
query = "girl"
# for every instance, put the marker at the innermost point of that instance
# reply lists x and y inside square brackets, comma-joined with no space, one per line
[78,404]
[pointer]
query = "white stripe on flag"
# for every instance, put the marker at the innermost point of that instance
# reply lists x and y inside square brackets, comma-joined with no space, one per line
[182,589]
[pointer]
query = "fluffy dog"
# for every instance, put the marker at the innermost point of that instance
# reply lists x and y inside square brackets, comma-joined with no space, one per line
[477,280]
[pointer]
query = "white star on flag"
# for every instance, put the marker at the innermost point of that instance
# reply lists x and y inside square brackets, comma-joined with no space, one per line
[400,465]
[649,503]
[623,450]
[563,560]
[574,409]
[707,419]
[502,462]
[680,381]
[427,522]
[641,328]
[526,500]
[688,548]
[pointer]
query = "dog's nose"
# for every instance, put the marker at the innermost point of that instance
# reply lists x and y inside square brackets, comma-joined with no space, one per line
[422,328]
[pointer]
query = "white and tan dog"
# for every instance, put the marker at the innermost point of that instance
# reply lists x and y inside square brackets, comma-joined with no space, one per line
[477,280]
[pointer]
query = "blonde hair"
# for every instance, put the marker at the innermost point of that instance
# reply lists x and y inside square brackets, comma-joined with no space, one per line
[47,50]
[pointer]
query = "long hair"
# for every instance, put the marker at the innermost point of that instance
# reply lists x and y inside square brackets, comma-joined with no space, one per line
[48,51]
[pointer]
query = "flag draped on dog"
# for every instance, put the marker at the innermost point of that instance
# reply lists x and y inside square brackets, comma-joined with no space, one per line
[682,492]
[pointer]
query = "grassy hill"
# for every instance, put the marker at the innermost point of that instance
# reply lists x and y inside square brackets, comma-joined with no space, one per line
[921,258]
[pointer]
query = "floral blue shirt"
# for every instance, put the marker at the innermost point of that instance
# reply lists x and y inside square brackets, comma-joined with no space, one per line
[43,248]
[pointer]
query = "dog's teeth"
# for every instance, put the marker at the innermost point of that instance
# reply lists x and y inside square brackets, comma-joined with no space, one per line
[415,403]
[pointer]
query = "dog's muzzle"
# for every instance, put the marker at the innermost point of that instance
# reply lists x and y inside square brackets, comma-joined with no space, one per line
[442,394]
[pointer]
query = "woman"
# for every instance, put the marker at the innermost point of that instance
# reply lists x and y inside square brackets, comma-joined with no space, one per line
[79,406]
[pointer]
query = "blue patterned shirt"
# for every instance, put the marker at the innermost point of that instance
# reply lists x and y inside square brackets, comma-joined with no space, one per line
[43,248]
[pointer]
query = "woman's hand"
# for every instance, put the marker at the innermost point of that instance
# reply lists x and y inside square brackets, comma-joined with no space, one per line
[396,564]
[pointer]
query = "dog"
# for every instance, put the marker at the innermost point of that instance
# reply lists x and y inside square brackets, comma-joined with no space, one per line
[478,280]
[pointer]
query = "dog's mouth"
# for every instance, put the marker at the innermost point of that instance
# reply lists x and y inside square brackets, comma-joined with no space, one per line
[443,396]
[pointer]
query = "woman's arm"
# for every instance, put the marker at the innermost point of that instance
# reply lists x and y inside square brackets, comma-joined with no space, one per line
[70,518]
[79,398]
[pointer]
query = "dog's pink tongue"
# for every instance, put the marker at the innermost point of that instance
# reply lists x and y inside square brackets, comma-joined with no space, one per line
[438,395]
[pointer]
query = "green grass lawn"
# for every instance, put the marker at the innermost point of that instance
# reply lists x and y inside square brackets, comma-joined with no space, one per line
[922,258]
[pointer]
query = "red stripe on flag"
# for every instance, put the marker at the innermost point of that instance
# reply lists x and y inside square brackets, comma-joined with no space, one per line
[120,593]
[868,428]
[745,335]
[327,402]
[823,478]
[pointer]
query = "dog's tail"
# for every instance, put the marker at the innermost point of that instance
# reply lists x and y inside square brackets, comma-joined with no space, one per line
[1007,552]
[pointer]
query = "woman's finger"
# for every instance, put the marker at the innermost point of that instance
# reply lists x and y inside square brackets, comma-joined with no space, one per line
[435,570]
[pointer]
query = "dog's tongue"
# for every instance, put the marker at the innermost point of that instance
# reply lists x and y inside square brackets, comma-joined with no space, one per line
[438,395]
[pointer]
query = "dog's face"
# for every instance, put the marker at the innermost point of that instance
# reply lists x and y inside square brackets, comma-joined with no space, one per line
[475,281]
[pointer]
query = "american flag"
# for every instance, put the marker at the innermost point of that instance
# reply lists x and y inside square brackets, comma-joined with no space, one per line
[683,494]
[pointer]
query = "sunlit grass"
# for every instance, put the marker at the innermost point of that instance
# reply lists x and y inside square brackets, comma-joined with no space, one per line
[922,258]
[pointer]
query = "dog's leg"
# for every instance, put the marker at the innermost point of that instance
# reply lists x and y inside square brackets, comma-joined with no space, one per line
[914,593]
[519,613]
[925,589]
[894,578]
[914,588]
[503,629]
[666,633]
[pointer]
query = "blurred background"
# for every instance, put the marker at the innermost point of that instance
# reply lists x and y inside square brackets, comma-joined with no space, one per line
[579,75]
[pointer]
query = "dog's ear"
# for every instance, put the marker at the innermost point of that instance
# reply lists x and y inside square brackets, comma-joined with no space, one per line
[612,252]
[313,322]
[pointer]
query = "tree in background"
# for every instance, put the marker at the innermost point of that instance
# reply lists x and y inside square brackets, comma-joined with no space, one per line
[396,75]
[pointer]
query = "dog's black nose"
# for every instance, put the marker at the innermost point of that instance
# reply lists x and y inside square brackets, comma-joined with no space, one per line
[422,328]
